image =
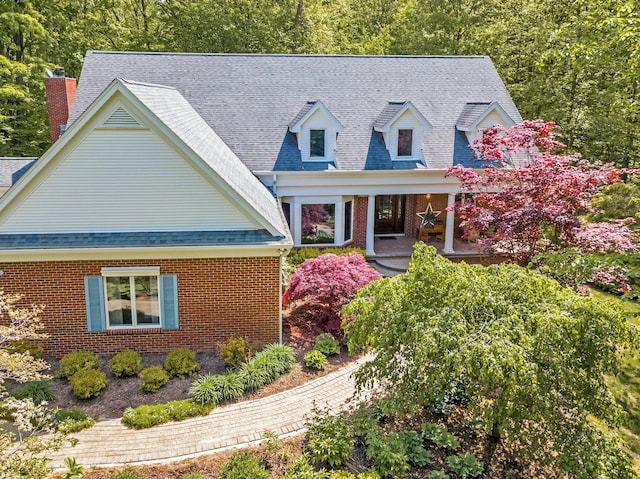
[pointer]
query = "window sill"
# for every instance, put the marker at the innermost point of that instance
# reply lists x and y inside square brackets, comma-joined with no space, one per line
[119,331]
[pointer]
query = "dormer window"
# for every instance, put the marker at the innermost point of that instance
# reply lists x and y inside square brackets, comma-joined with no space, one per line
[316,143]
[403,127]
[316,131]
[405,142]
[477,116]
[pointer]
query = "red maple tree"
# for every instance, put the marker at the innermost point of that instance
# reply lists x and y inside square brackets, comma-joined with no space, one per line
[527,199]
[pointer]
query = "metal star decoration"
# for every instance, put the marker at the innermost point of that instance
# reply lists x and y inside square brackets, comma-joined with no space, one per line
[428,217]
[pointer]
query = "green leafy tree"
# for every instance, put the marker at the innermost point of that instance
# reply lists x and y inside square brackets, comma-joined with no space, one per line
[530,354]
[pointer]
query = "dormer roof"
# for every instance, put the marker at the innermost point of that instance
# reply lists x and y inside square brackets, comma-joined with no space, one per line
[474,113]
[307,111]
[394,110]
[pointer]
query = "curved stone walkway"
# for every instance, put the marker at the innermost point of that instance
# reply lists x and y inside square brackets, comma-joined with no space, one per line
[111,443]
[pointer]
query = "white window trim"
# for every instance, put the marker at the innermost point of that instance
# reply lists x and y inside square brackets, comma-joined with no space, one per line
[317,158]
[296,218]
[131,273]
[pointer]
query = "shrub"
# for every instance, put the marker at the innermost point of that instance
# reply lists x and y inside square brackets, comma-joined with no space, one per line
[327,283]
[330,438]
[235,351]
[153,378]
[76,361]
[71,420]
[25,347]
[126,363]
[349,475]
[37,391]
[417,454]
[253,376]
[74,470]
[465,465]
[315,359]
[243,465]
[127,474]
[327,344]
[438,475]
[212,389]
[440,436]
[298,256]
[88,383]
[181,362]
[388,454]
[302,469]
[149,415]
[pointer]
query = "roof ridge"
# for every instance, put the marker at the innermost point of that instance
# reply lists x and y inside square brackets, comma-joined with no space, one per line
[283,55]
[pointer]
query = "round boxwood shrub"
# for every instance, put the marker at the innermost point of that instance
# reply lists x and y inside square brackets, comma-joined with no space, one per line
[181,362]
[315,359]
[153,378]
[76,361]
[126,363]
[88,383]
[235,351]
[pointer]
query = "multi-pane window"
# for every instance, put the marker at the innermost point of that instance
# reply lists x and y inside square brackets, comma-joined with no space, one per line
[132,300]
[316,143]
[405,142]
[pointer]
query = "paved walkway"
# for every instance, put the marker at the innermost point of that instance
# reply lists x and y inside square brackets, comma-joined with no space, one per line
[111,443]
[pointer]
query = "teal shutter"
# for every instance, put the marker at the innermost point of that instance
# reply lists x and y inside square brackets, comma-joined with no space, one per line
[169,301]
[94,298]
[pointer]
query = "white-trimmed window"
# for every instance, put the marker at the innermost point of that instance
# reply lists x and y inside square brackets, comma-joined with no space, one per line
[405,142]
[317,143]
[132,297]
[321,221]
[124,298]
[316,131]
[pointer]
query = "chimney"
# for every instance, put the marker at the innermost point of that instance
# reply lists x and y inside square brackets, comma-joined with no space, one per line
[60,94]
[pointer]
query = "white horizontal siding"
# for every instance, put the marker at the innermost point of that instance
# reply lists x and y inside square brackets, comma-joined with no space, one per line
[118,180]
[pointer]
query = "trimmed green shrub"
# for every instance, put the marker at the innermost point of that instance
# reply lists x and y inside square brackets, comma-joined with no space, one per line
[88,383]
[330,438]
[148,415]
[212,389]
[153,378]
[37,391]
[181,362]
[127,474]
[243,465]
[25,347]
[126,363]
[465,465]
[327,344]
[235,351]
[315,359]
[76,361]
[440,436]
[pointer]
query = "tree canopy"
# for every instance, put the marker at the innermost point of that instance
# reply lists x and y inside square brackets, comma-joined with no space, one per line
[529,355]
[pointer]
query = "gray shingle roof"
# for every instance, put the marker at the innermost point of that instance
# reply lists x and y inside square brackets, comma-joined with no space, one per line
[11,169]
[133,239]
[305,109]
[471,113]
[389,111]
[249,100]
[170,107]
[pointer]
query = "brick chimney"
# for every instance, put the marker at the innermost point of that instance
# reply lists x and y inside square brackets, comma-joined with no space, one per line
[60,94]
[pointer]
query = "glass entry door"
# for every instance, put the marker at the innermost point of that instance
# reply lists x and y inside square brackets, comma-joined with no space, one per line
[389,214]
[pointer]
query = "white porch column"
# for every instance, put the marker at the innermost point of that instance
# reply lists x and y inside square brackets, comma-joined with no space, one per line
[448,228]
[371,213]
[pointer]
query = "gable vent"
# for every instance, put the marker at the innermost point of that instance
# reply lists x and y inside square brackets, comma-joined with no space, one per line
[121,119]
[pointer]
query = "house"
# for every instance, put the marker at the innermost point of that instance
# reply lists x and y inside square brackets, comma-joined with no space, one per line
[160,216]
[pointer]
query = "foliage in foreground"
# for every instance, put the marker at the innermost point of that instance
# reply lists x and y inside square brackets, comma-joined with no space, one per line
[149,415]
[530,354]
[327,283]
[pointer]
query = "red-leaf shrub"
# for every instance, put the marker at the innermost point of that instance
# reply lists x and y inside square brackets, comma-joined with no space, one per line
[327,283]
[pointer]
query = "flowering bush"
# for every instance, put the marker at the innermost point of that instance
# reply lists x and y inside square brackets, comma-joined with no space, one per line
[326,283]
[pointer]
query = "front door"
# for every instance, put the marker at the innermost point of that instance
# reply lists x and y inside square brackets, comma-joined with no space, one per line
[389,214]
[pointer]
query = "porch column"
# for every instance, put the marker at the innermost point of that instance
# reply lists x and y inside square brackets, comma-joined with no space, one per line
[448,229]
[371,213]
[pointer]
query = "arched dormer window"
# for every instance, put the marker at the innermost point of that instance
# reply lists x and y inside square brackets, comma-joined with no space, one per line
[316,130]
[403,127]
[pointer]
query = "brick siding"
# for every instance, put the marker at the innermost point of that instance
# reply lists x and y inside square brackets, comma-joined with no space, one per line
[60,94]
[360,221]
[217,298]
